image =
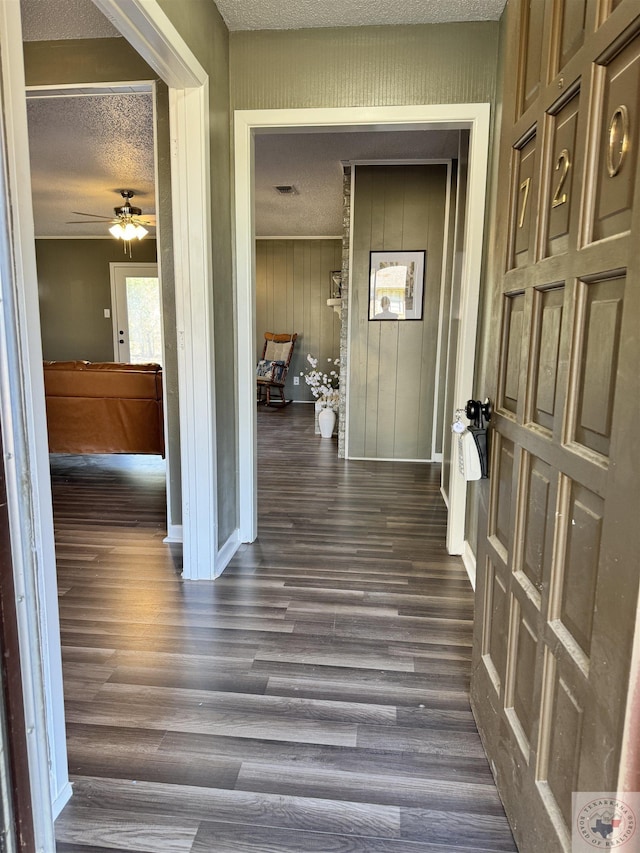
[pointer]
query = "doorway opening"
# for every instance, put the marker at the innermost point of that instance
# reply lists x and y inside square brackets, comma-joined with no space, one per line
[248,124]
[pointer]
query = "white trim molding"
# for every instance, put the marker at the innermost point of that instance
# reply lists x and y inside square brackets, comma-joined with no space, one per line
[148,29]
[174,534]
[151,33]
[467,331]
[445,497]
[469,561]
[190,186]
[247,123]
[26,451]
[227,551]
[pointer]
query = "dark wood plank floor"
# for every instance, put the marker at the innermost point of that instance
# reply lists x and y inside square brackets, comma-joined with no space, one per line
[314,698]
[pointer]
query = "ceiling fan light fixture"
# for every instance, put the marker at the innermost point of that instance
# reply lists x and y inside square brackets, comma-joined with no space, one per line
[125,231]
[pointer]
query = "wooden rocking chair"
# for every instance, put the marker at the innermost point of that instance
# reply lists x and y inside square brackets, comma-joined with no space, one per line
[272,369]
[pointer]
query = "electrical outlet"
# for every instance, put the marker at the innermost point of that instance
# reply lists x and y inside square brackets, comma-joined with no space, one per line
[296,380]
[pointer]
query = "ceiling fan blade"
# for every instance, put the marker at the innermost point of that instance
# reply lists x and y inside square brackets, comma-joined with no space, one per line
[94,215]
[147,221]
[87,221]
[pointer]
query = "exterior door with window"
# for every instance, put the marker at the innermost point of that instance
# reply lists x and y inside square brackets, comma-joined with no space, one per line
[558,563]
[136,313]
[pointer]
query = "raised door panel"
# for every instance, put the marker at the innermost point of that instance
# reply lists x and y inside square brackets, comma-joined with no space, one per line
[496,622]
[562,203]
[544,357]
[513,331]
[595,361]
[521,699]
[615,160]
[571,22]
[532,29]
[577,569]
[537,526]
[562,759]
[523,202]
[501,511]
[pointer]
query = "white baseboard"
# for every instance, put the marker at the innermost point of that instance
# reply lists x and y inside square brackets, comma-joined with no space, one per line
[61,800]
[469,560]
[388,459]
[436,457]
[174,533]
[227,551]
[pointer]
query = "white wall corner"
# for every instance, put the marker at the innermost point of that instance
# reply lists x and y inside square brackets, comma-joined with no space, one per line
[469,560]
[225,554]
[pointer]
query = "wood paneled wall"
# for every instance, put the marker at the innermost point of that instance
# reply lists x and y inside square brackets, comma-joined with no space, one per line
[292,288]
[392,364]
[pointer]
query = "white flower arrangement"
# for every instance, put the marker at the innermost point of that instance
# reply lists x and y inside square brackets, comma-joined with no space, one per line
[324,385]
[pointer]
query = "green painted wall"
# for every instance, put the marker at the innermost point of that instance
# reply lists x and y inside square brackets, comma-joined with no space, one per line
[74,288]
[72,61]
[392,363]
[364,66]
[292,288]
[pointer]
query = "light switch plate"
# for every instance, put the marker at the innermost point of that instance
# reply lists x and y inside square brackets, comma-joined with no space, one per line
[107,313]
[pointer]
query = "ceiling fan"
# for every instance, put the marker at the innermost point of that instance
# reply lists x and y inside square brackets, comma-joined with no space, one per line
[127,224]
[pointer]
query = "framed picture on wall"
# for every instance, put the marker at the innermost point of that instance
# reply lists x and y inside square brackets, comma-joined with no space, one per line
[396,285]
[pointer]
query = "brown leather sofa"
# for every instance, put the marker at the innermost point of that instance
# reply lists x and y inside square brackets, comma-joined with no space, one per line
[104,407]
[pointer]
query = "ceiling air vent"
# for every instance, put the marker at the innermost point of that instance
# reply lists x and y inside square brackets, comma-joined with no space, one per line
[286,189]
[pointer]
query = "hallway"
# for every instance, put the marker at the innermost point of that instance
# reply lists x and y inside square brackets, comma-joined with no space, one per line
[314,698]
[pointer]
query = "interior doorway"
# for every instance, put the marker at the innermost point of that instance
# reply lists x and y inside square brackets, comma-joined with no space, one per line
[248,123]
[22,388]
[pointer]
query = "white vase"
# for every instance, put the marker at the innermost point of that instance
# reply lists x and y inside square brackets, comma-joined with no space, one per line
[327,421]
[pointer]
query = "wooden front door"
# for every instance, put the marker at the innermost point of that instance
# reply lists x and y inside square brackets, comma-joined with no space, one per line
[559,554]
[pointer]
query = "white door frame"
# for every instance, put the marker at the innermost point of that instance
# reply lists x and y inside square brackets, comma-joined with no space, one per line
[147,28]
[115,270]
[26,451]
[22,401]
[472,117]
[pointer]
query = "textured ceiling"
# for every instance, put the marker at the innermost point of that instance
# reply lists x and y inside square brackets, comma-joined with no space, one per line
[71,19]
[84,150]
[312,163]
[50,20]
[278,15]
